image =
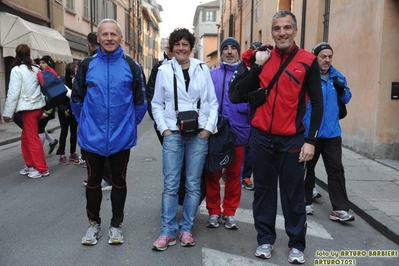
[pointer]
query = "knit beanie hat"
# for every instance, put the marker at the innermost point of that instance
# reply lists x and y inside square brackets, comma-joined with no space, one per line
[230,41]
[320,46]
[49,61]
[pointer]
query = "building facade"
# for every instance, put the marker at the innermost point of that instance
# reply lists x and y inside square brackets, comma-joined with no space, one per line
[62,27]
[363,35]
[36,23]
[205,22]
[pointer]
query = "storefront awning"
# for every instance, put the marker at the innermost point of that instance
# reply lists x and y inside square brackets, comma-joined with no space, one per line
[42,40]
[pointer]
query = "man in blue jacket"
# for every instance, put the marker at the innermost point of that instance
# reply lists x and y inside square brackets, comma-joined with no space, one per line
[108,101]
[329,141]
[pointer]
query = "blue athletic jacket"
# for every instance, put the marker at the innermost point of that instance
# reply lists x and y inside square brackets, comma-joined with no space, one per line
[329,127]
[106,105]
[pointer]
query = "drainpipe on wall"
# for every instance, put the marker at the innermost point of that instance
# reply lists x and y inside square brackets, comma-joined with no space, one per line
[252,22]
[49,14]
[91,15]
[303,24]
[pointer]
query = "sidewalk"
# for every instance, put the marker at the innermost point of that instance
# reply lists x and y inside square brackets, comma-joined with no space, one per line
[372,186]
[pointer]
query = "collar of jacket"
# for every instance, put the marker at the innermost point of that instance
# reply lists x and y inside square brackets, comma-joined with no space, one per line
[110,57]
[278,53]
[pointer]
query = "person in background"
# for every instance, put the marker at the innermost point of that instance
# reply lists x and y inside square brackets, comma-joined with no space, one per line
[92,45]
[238,115]
[329,141]
[247,169]
[149,92]
[123,106]
[67,119]
[47,64]
[279,148]
[193,84]
[25,96]
[248,58]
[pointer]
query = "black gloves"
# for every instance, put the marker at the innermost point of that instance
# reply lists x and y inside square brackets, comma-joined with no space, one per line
[339,87]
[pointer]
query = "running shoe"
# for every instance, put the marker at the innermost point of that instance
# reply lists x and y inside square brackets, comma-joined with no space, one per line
[213,221]
[93,233]
[163,242]
[341,216]
[115,236]
[296,256]
[264,251]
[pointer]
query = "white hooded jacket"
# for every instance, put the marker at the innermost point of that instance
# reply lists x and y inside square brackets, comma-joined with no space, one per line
[23,91]
[200,87]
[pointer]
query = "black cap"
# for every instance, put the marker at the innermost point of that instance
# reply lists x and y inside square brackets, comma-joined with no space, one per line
[48,60]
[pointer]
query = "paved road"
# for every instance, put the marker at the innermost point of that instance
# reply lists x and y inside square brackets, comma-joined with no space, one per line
[43,221]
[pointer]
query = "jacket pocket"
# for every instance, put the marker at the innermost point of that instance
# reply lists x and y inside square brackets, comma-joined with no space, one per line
[292,77]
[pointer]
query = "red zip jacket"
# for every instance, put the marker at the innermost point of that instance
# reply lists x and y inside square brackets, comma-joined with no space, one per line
[283,112]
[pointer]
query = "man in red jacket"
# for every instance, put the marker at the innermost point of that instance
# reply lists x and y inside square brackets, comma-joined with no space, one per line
[279,149]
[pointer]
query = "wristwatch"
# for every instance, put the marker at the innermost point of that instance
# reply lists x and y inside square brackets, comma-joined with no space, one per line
[257,65]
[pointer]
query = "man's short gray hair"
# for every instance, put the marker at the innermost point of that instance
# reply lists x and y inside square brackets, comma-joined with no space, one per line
[112,21]
[284,13]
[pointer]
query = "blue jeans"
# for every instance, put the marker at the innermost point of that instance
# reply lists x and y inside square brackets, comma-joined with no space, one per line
[175,148]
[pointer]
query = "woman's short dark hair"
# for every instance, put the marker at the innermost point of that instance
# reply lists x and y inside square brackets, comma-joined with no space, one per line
[22,56]
[179,34]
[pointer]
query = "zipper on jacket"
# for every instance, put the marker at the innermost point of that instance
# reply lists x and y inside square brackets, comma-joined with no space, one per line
[107,139]
[292,77]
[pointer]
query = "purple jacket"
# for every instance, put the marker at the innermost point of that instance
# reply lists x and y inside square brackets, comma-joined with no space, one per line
[238,114]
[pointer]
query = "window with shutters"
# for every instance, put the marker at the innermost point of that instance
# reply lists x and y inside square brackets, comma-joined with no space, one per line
[71,4]
[86,9]
[209,15]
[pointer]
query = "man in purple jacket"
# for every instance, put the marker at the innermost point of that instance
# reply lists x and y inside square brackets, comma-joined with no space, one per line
[239,117]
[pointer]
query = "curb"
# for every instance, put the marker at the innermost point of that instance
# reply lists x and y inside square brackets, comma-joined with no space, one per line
[391,234]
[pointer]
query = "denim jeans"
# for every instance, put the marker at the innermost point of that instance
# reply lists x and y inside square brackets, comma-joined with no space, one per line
[175,148]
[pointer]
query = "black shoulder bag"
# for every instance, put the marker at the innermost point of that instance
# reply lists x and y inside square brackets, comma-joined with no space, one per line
[221,145]
[187,120]
[259,96]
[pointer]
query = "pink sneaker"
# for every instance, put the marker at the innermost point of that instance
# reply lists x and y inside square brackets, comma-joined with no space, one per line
[187,240]
[163,242]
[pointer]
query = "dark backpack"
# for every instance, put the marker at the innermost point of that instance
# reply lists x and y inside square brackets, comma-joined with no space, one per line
[53,89]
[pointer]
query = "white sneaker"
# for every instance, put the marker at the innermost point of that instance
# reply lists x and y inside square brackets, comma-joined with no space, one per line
[316,194]
[296,256]
[26,170]
[36,174]
[309,209]
[105,186]
[115,236]
[92,235]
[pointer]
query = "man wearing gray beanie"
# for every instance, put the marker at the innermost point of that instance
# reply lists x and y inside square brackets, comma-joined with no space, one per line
[329,141]
[223,210]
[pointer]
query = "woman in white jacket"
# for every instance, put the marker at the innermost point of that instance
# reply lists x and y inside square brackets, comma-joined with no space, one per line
[193,85]
[24,95]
